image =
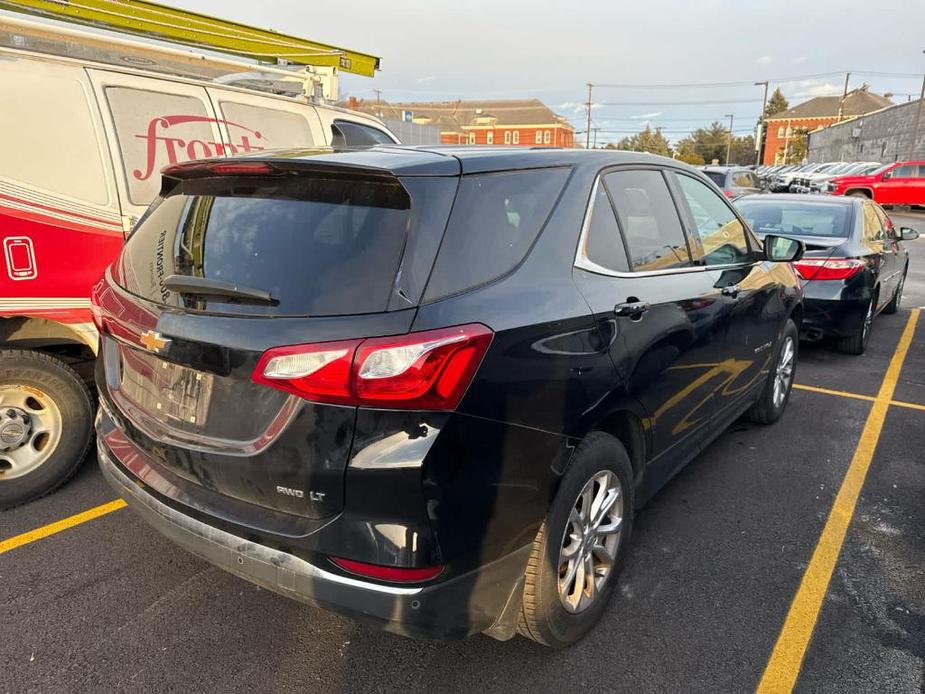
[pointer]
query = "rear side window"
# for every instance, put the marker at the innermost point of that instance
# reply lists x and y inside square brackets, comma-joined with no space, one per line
[604,243]
[269,128]
[647,214]
[718,177]
[907,171]
[348,134]
[494,222]
[744,179]
[320,245]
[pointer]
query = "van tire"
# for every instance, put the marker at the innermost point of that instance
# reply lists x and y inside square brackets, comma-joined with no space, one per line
[65,390]
[543,617]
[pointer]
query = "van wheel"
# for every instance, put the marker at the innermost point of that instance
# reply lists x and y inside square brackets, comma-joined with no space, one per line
[578,551]
[776,393]
[893,306]
[45,425]
[857,343]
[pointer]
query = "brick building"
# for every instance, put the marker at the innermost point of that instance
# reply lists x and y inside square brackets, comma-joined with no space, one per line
[815,113]
[498,122]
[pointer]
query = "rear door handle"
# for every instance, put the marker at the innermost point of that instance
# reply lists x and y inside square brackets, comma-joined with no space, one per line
[732,290]
[630,309]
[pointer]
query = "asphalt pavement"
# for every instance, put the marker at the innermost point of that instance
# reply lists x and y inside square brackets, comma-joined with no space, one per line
[716,560]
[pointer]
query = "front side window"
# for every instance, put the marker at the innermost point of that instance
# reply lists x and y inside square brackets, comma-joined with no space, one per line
[721,234]
[603,243]
[907,171]
[349,134]
[743,179]
[651,227]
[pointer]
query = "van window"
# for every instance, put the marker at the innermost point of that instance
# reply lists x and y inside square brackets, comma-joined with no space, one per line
[154,130]
[494,222]
[319,244]
[649,219]
[49,139]
[271,128]
[345,133]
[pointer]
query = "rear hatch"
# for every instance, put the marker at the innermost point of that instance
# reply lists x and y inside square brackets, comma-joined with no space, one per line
[234,260]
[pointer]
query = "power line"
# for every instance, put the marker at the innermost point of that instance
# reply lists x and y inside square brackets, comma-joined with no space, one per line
[750,83]
[676,103]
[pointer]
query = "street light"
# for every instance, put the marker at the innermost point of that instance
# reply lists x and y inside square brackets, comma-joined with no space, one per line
[731,117]
[761,133]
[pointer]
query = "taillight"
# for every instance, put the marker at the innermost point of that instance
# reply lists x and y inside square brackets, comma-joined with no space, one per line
[388,573]
[729,194]
[829,268]
[428,370]
[196,169]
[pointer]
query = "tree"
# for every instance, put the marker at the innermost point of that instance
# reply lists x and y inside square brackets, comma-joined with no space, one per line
[776,104]
[709,143]
[797,147]
[742,151]
[647,141]
[686,151]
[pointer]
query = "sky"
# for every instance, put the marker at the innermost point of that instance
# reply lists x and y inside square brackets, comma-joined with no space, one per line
[438,51]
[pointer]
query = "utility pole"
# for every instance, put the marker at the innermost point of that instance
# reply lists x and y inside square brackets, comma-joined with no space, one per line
[378,93]
[918,121]
[594,143]
[588,130]
[731,117]
[761,124]
[844,95]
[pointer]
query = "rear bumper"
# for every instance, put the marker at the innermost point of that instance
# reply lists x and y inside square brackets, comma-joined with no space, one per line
[481,600]
[833,317]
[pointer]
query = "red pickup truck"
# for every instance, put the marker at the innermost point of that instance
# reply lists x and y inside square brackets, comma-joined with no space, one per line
[899,183]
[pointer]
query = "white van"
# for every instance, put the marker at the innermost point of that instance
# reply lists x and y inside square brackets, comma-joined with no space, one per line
[82,145]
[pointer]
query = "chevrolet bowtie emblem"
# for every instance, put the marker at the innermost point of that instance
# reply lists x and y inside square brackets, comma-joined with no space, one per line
[153,341]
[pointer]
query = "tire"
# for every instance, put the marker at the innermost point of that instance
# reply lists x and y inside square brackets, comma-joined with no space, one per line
[40,392]
[857,343]
[893,306]
[544,616]
[775,395]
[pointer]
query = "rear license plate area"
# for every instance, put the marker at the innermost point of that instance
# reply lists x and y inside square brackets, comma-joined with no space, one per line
[171,393]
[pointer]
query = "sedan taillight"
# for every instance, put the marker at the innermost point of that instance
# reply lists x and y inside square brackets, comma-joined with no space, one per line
[428,370]
[829,268]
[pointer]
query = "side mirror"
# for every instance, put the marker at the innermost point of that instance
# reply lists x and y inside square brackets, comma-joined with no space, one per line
[907,234]
[780,249]
[887,175]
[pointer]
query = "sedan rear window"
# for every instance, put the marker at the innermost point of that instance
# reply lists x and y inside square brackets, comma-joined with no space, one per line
[796,218]
[320,245]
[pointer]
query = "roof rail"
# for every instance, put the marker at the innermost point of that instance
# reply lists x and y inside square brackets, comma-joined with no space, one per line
[153,20]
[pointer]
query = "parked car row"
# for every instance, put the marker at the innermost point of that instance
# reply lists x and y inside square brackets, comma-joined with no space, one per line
[897,183]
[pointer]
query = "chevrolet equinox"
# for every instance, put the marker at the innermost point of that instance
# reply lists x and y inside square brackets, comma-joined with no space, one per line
[427,388]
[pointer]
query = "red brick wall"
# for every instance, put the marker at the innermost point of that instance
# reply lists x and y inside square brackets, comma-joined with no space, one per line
[558,137]
[774,144]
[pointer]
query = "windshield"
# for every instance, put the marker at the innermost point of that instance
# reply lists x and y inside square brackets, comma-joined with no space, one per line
[878,170]
[795,218]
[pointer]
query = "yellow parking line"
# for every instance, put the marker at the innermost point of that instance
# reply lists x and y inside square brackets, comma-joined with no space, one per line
[829,391]
[783,667]
[58,526]
[910,405]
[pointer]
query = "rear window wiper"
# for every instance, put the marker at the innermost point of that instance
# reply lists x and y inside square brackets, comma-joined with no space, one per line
[203,286]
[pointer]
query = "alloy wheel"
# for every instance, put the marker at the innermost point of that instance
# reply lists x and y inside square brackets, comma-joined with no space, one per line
[590,542]
[868,319]
[784,372]
[30,429]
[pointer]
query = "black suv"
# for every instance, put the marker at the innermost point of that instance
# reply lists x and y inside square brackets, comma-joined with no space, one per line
[427,388]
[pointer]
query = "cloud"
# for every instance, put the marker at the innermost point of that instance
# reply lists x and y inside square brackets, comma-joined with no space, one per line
[799,59]
[425,80]
[817,88]
[765,60]
[646,116]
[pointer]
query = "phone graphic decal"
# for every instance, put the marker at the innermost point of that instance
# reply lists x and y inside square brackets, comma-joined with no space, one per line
[20,258]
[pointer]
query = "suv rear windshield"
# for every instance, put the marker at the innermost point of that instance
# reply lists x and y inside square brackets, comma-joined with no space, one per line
[319,244]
